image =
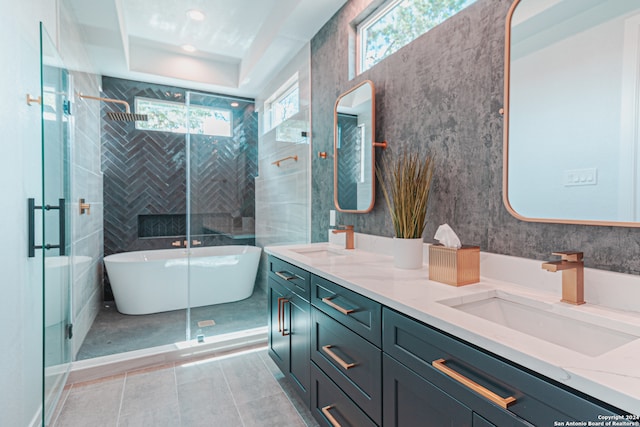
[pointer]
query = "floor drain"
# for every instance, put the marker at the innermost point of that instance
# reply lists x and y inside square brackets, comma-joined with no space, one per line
[205,323]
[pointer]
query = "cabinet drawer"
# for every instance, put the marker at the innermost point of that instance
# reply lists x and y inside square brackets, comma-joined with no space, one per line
[410,401]
[352,362]
[537,400]
[331,406]
[357,312]
[290,276]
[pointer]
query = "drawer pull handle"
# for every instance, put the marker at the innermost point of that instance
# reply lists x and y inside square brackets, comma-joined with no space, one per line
[281,275]
[503,402]
[332,304]
[326,413]
[341,362]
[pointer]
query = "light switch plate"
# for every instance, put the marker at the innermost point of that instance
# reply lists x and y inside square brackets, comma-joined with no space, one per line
[576,177]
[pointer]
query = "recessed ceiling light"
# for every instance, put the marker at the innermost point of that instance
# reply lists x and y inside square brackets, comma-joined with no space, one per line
[196,15]
[188,48]
[234,104]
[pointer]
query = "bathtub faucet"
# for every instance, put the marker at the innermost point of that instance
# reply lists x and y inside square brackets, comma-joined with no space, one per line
[184,243]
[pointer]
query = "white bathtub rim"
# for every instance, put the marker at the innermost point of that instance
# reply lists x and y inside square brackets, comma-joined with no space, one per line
[205,251]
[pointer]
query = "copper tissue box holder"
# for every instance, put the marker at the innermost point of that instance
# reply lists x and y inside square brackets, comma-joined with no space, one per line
[456,267]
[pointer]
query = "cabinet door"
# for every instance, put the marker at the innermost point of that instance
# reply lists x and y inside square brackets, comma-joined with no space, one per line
[279,347]
[409,400]
[298,328]
[331,406]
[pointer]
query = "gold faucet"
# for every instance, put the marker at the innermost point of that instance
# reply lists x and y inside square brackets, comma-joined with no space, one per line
[349,240]
[572,268]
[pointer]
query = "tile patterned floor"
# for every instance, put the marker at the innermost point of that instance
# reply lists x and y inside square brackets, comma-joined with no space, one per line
[113,333]
[244,389]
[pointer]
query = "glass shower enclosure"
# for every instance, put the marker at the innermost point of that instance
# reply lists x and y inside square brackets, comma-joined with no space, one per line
[221,148]
[57,328]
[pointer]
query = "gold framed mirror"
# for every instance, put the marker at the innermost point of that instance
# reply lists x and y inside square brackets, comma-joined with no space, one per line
[354,149]
[572,115]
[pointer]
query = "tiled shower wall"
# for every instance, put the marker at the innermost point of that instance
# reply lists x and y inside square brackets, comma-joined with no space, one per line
[145,176]
[283,193]
[441,95]
[86,183]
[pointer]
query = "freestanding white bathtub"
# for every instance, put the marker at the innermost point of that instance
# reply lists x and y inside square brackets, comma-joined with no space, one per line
[145,282]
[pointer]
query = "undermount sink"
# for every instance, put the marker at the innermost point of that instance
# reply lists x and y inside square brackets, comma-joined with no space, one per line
[319,252]
[539,319]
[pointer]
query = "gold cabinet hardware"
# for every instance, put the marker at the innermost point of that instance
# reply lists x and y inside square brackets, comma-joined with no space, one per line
[85,208]
[503,402]
[176,243]
[277,162]
[382,144]
[281,275]
[31,100]
[325,411]
[196,243]
[282,329]
[332,304]
[280,314]
[322,154]
[341,362]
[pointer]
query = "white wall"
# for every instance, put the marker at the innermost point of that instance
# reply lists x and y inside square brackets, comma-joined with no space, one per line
[20,305]
[283,193]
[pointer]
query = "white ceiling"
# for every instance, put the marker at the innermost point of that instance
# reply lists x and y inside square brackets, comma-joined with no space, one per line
[240,45]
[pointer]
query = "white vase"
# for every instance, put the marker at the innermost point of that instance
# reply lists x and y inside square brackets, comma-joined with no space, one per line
[407,253]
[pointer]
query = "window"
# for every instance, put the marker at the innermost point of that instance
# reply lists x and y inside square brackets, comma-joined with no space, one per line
[397,23]
[168,116]
[283,104]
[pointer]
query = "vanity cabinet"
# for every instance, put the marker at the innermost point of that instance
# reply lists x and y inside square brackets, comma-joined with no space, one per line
[365,364]
[345,347]
[290,323]
[496,391]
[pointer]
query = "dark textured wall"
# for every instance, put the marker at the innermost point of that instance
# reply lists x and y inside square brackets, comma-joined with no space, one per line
[145,175]
[441,95]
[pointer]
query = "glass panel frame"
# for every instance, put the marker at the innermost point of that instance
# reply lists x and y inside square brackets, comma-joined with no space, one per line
[56,133]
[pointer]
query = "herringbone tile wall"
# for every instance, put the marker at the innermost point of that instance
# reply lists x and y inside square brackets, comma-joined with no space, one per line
[348,161]
[145,171]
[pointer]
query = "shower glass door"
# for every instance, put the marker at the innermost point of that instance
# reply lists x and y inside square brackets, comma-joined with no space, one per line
[221,153]
[55,238]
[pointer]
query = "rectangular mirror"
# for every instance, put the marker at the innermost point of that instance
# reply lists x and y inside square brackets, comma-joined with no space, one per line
[353,149]
[572,111]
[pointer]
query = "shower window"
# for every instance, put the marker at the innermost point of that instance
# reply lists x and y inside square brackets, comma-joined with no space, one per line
[168,116]
[283,104]
[397,23]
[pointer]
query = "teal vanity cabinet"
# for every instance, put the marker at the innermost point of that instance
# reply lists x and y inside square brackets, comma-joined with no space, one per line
[360,363]
[345,349]
[290,322]
[456,377]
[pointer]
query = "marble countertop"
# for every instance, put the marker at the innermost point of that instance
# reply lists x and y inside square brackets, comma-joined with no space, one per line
[613,377]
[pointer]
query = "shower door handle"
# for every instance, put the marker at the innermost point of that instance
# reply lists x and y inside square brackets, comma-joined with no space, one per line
[31,212]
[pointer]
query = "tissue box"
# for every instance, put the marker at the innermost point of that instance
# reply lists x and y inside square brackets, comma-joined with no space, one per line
[455,267]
